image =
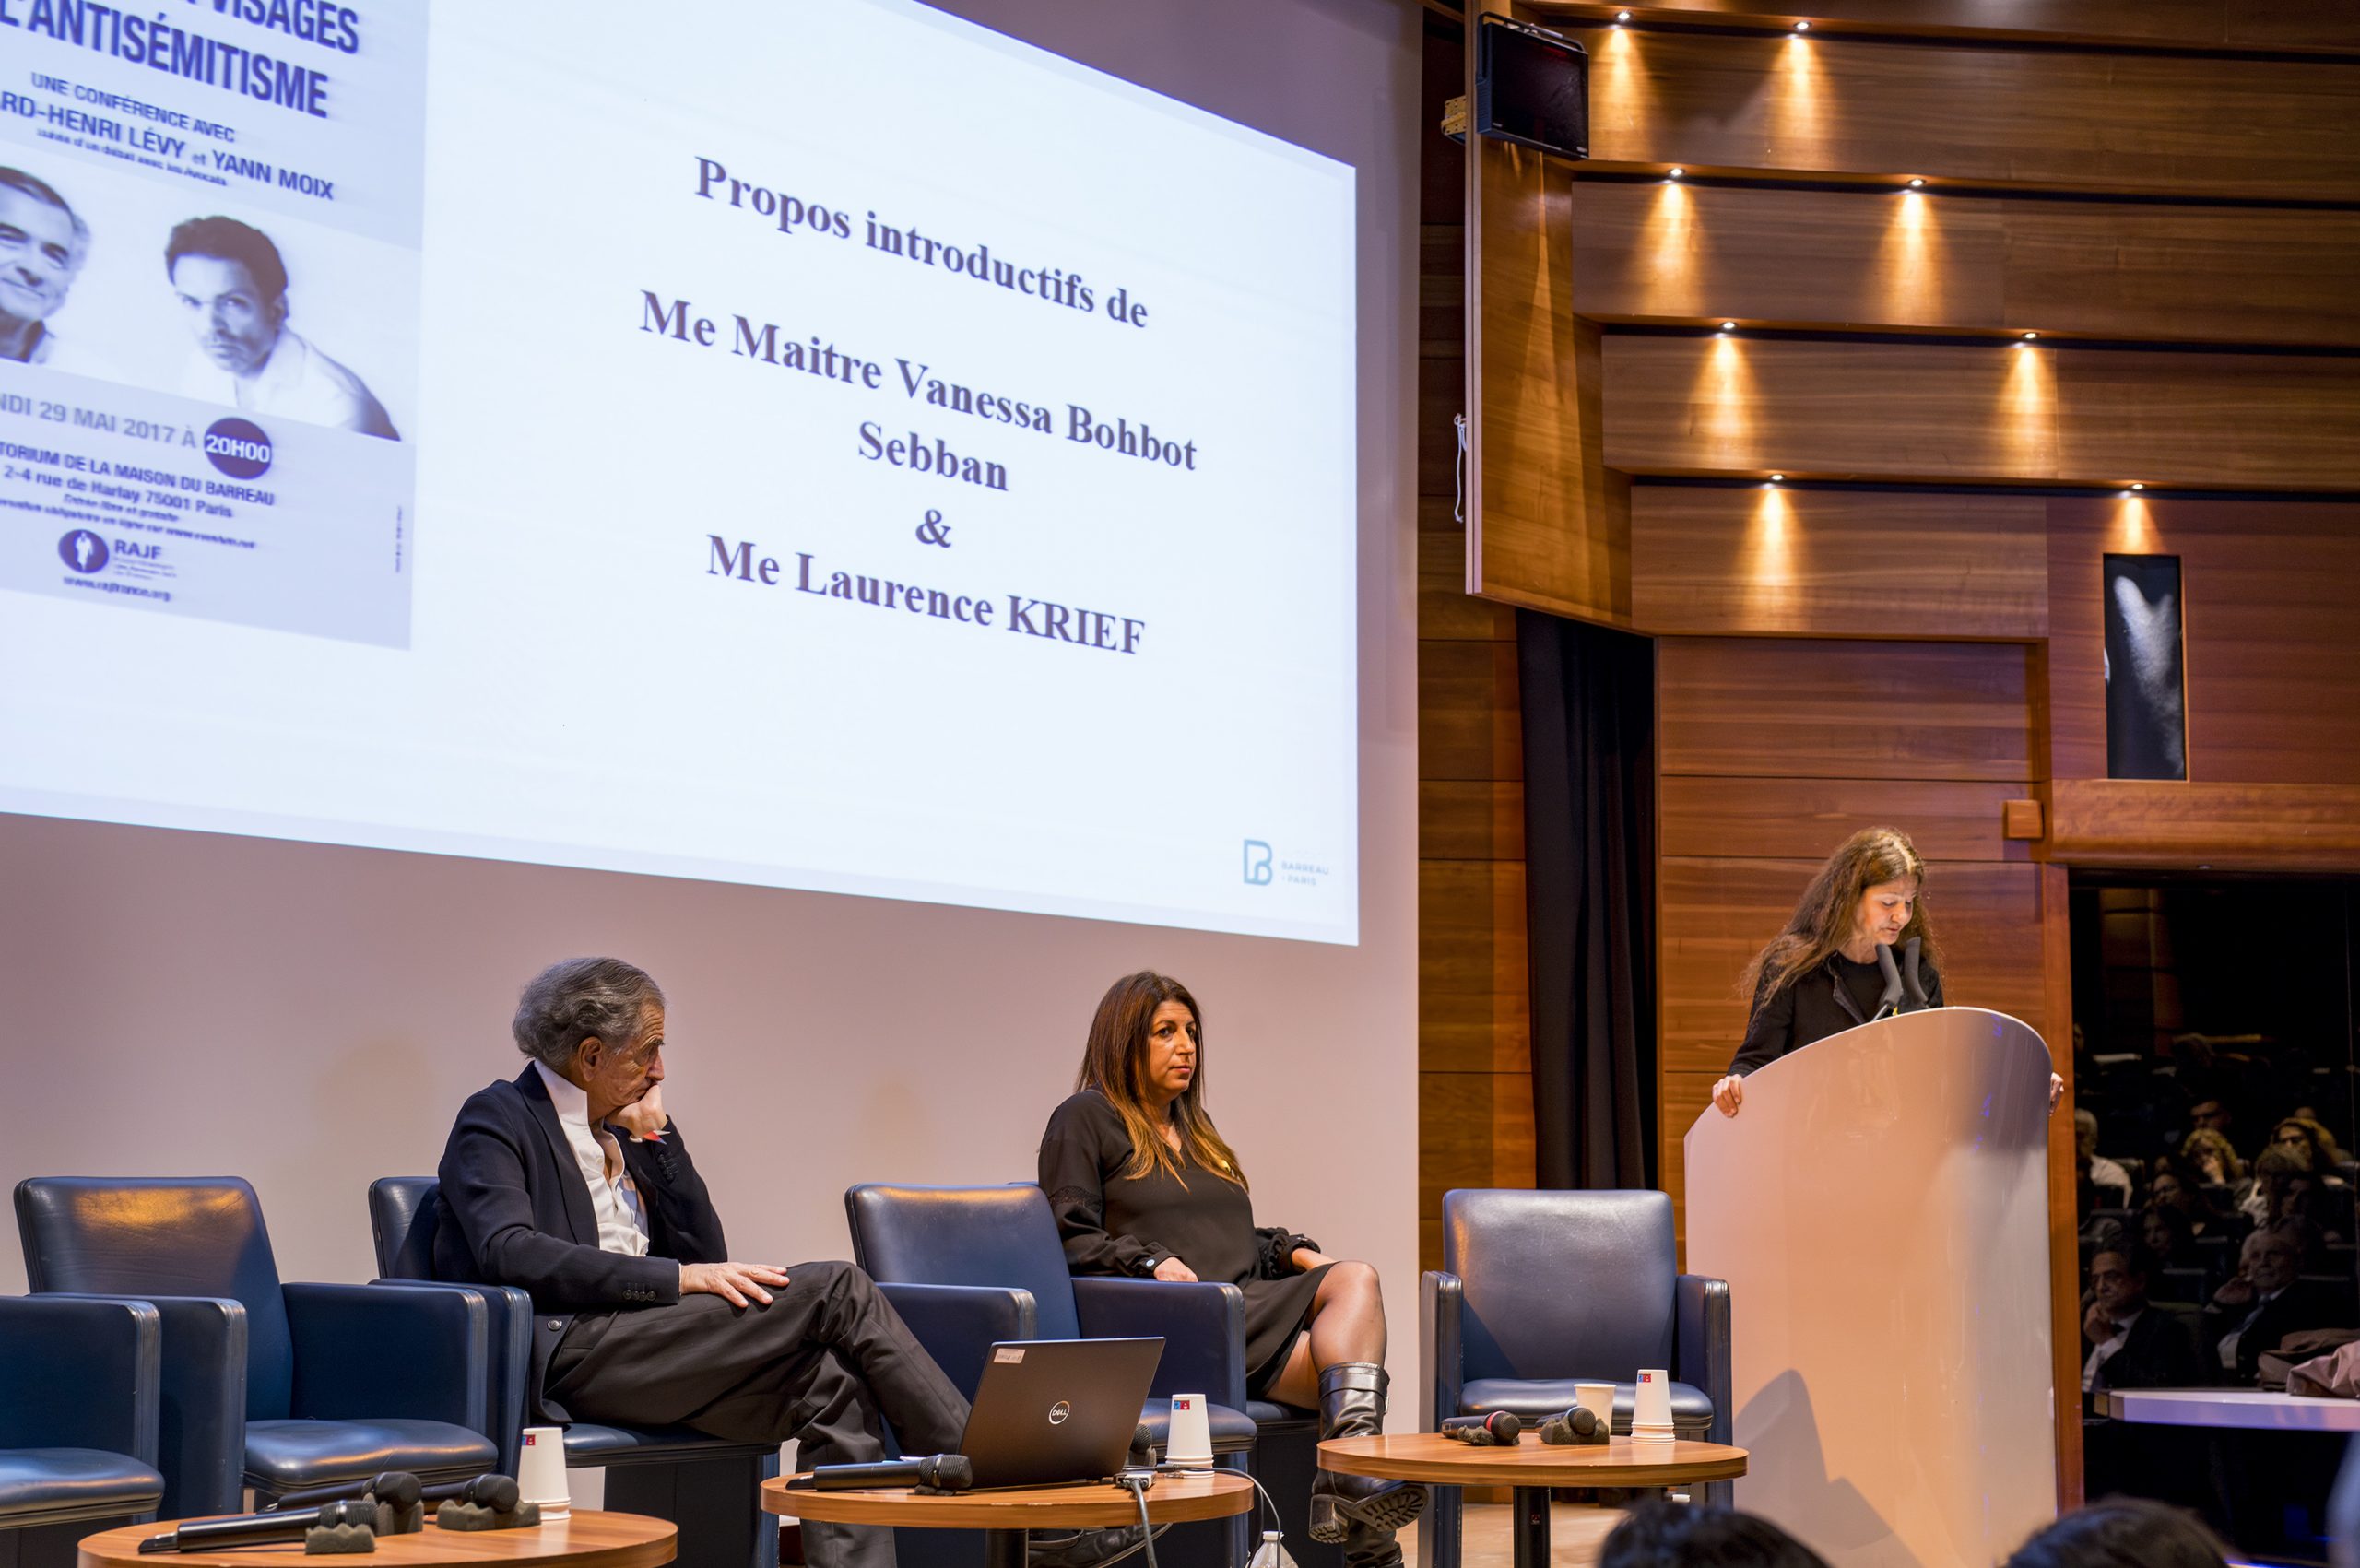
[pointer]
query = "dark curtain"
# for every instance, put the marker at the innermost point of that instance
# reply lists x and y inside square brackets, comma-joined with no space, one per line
[1588,703]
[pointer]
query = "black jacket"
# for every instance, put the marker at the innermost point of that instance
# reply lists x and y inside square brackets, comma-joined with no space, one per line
[1814,1007]
[2158,1352]
[2299,1306]
[516,1211]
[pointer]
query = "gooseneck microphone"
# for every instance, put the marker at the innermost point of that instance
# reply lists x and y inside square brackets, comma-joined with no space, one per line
[1501,1428]
[1910,979]
[1892,1002]
[942,1472]
[261,1530]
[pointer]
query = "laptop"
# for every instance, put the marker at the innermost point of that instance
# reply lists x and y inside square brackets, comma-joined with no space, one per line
[1049,1411]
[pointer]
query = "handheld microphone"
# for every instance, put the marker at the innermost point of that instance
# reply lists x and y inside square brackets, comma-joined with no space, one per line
[497,1492]
[1500,1429]
[1577,1425]
[397,1487]
[1892,1001]
[264,1529]
[936,1472]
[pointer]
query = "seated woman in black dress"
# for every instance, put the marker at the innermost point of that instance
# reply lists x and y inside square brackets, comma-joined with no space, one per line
[1142,1184]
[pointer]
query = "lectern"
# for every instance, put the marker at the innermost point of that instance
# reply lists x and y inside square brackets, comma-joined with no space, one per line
[1880,1208]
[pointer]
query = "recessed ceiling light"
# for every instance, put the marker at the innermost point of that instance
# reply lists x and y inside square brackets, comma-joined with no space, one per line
[1916,181]
[1674,173]
[2030,336]
[1621,16]
[1802,27]
[2137,486]
[1728,326]
[1777,478]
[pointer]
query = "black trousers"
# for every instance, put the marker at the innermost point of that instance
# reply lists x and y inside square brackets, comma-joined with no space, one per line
[827,1363]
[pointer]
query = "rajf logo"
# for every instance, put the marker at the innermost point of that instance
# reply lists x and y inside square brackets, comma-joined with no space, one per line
[239,448]
[83,551]
[1258,864]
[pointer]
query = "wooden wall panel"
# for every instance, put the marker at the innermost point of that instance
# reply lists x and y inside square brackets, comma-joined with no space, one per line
[2119,124]
[1844,710]
[1908,411]
[1768,561]
[1471,966]
[2303,829]
[1665,251]
[2234,24]
[1717,913]
[1546,528]
[2272,645]
[1803,819]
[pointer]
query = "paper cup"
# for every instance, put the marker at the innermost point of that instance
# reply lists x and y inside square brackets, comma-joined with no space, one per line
[1651,1408]
[1597,1398]
[540,1472]
[1189,1439]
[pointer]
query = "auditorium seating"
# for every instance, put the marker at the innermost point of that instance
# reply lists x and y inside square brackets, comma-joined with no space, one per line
[966,1265]
[710,1488]
[78,1413]
[1541,1290]
[265,1384]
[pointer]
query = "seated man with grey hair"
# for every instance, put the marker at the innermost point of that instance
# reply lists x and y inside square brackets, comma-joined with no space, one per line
[570,1182]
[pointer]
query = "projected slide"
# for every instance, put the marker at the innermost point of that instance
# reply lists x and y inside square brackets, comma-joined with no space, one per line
[843,449]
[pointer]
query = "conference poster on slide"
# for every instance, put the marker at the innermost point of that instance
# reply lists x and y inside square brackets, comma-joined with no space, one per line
[210,214]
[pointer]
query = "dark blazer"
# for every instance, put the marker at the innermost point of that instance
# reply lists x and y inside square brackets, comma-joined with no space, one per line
[2158,1352]
[1814,1007]
[2299,1306]
[516,1211]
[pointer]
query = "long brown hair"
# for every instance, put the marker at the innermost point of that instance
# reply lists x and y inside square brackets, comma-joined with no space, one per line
[1823,921]
[1115,1064]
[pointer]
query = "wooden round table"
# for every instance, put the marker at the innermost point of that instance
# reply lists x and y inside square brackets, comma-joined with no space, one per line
[1005,1513]
[1531,1466]
[588,1539]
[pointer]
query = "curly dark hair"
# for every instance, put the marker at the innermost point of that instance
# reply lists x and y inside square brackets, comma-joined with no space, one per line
[581,999]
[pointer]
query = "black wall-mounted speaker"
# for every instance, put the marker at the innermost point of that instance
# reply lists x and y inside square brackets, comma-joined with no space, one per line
[1531,87]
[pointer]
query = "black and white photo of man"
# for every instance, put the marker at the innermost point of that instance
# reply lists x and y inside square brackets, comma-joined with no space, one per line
[232,286]
[43,246]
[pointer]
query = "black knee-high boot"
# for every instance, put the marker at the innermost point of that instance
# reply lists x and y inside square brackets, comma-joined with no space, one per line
[1360,1511]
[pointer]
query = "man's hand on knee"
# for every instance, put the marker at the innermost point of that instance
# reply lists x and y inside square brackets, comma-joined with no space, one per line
[736,1283]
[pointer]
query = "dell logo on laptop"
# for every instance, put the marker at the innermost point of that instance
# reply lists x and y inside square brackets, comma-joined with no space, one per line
[1058,1412]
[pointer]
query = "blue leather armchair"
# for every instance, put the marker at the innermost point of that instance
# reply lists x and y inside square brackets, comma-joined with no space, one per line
[968,1265]
[79,1385]
[1540,1290]
[712,1490]
[276,1387]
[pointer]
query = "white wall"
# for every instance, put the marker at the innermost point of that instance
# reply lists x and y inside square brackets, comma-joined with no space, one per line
[310,1017]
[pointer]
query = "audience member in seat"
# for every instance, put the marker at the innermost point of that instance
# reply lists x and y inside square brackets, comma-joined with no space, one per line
[2121,1532]
[1658,1534]
[2262,1304]
[2163,1237]
[2281,1181]
[571,1181]
[2207,1153]
[2125,1344]
[2176,1188]
[2309,1135]
[1142,1184]
[2106,1184]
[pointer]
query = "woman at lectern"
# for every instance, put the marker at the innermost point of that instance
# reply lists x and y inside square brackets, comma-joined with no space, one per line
[1142,1184]
[1820,974]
